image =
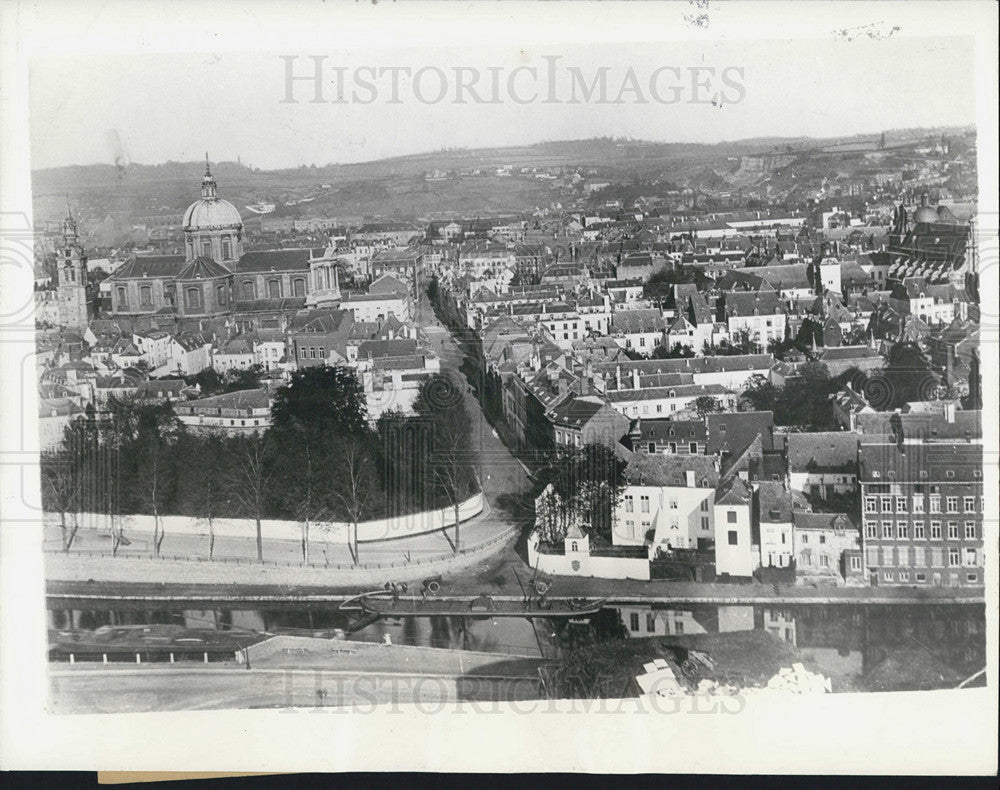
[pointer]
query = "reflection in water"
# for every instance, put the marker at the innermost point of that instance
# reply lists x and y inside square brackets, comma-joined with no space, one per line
[897,646]
[887,647]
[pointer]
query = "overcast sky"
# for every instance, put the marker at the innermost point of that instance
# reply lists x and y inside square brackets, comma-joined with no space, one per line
[175,107]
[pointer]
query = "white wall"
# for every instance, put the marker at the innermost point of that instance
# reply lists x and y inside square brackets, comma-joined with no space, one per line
[273,529]
[735,560]
[595,567]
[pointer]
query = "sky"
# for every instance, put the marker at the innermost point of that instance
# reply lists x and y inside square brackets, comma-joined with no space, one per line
[178,106]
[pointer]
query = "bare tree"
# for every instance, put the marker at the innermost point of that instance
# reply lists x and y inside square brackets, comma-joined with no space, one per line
[62,486]
[354,486]
[250,480]
[453,473]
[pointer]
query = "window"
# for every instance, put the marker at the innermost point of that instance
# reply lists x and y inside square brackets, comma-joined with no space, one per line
[969,504]
[650,623]
[919,558]
[901,504]
[935,530]
[704,506]
[822,538]
[952,530]
[206,248]
[731,518]
[734,538]
[871,529]
[633,621]
[887,575]
[220,295]
[659,408]
[628,504]
[303,353]
[249,290]
[953,557]
[805,539]
[693,448]
[886,529]
[886,504]
[652,448]
[902,529]
[888,557]
[274,289]
[871,504]
[952,504]
[918,530]
[921,577]
[970,558]
[704,523]
[904,576]
[192,297]
[970,530]
[855,563]
[227,248]
[643,504]
[824,561]
[918,504]
[673,503]
[935,503]
[122,299]
[145,296]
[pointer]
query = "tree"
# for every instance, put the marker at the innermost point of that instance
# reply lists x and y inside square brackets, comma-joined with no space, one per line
[760,394]
[157,433]
[354,485]
[324,398]
[303,455]
[588,482]
[440,402]
[706,404]
[62,485]
[677,351]
[202,472]
[250,480]
[660,285]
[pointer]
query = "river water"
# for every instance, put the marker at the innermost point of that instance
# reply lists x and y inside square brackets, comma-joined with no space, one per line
[947,642]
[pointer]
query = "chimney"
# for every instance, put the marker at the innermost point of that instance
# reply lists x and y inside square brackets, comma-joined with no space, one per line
[618,376]
[635,378]
[689,478]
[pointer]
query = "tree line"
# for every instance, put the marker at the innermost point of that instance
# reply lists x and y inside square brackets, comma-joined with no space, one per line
[320,461]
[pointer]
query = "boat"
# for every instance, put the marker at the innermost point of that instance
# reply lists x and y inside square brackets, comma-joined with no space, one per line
[382,604]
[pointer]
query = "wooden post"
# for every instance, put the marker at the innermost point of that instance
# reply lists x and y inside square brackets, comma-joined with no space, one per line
[104,657]
[206,657]
[71,659]
[138,658]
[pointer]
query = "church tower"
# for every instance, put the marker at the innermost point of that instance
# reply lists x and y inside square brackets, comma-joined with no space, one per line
[71,279]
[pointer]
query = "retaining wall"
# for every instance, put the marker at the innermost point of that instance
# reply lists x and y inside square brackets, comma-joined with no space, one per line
[274,529]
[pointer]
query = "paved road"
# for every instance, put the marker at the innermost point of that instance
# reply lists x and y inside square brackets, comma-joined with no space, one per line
[500,472]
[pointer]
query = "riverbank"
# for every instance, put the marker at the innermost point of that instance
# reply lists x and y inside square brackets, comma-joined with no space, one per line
[79,594]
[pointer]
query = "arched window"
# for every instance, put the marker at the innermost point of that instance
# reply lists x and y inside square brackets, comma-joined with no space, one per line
[192,298]
[299,287]
[206,248]
[274,289]
[574,546]
[248,290]
[227,248]
[145,296]
[220,295]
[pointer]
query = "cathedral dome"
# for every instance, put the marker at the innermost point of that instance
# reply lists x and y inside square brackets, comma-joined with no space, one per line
[211,212]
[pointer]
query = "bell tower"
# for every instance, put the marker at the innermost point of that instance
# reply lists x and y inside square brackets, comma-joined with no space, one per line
[71,279]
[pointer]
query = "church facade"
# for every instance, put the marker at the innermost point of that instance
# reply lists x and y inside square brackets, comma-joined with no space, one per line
[216,279]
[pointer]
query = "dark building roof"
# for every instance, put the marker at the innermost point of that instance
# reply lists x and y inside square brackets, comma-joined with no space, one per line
[273,260]
[734,431]
[940,462]
[318,320]
[672,430]
[671,470]
[828,450]
[149,266]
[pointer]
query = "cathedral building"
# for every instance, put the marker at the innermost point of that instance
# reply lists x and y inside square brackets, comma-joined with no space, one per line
[216,279]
